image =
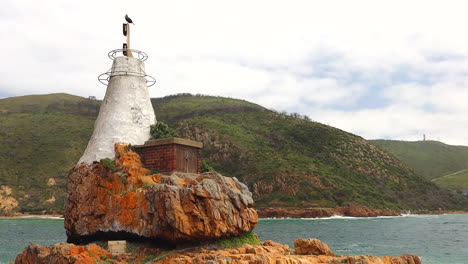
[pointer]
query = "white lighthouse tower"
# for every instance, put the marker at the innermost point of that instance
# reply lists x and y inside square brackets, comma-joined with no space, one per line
[126,112]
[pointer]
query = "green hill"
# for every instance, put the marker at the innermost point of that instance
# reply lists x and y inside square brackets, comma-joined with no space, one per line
[432,159]
[457,180]
[40,140]
[40,103]
[289,161]
[285,160]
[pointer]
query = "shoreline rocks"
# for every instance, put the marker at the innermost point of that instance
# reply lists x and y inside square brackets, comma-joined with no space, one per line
[269,252]
[353,210]
[62,253]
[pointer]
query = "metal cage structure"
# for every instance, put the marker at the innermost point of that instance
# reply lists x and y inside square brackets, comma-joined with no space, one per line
[142,56]
[114,53]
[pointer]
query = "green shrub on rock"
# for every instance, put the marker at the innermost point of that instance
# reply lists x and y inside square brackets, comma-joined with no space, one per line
[205,167]
[124,176]
[162,130]
[109,164]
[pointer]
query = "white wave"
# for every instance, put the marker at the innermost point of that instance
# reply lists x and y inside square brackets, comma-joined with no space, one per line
[421,215]
[40,216]
[331,217]
[318,218]
[386,216]
[341,217]
[381,216]
[355,217]
[277,218]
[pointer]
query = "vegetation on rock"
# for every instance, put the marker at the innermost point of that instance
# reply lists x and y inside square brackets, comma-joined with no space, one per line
[205,167]
[249,238]
[109,164]
[162,130]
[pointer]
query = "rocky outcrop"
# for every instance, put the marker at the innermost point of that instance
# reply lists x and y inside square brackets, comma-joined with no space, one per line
[268,252]
[7,202]
[274,253]
[353,210]
[295,212]
[125,201]
[357,210]
[312,246]
[62,253]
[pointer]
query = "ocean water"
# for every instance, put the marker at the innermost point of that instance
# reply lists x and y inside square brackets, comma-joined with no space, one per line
[437,239]
[17,233]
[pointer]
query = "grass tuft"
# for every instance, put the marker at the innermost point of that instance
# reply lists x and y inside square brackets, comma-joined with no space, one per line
[233,242]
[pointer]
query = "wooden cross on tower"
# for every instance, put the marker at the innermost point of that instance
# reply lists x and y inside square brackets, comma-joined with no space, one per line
[126,32]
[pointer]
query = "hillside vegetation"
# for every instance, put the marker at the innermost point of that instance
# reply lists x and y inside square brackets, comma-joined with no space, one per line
[285,160]
[289,161]
[40,140]
[432,159]
[457,180]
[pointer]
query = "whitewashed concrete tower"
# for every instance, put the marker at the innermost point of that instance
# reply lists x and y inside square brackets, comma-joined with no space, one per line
[126,112]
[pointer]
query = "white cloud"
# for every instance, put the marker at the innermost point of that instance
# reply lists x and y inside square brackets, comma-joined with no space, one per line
[397,122]
[445,96]
[327,59]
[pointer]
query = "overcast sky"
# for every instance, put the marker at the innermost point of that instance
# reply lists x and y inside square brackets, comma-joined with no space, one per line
[379,69]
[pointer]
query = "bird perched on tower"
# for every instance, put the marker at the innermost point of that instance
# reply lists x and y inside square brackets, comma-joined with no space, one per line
[128,19]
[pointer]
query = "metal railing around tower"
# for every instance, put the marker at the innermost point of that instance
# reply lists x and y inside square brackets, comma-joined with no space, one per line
[140,55]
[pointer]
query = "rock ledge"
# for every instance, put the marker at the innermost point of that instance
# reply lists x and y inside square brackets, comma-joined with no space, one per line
[269,252]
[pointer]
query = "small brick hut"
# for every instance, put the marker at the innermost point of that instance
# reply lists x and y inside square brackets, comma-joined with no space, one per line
[168,155]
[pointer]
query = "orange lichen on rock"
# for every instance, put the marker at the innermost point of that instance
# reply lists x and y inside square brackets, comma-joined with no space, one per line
[269,252]
[62,253]
[176,207]
[129,161]
[275,253]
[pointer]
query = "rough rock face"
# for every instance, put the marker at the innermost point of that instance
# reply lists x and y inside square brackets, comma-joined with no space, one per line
[268,253]
[62,253]
[275,253]
[7,202]
[128,202]
[357,210]
[312,246]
